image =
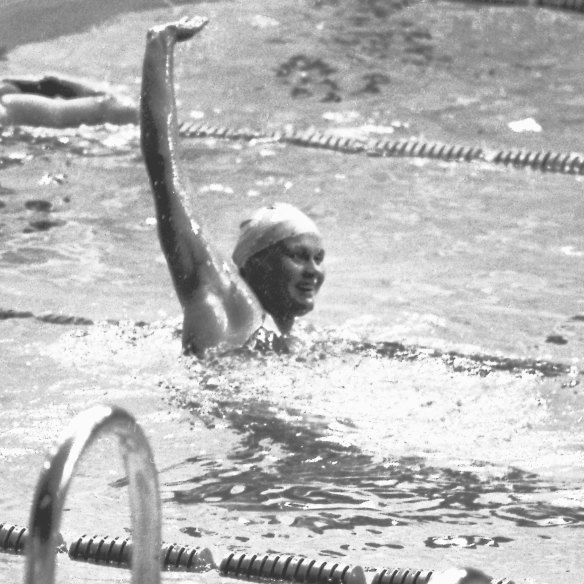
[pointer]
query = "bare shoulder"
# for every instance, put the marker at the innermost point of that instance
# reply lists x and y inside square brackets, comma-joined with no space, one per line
[219,319]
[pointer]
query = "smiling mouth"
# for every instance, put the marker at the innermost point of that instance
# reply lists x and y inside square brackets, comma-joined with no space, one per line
[308,290]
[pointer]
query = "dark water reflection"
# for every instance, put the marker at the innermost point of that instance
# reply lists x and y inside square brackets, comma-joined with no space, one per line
[328,485]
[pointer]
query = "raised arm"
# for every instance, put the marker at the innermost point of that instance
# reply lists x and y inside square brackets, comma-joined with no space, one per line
[218,306]
[187,252]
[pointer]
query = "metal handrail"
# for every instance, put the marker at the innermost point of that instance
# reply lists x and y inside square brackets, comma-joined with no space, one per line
[55,479]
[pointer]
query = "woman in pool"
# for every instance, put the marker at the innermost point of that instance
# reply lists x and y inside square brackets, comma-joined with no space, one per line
[278,255]
[60,102]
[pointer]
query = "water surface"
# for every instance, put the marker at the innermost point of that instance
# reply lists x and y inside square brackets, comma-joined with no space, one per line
[433,416]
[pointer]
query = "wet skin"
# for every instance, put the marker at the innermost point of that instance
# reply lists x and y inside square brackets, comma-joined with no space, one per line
[287,276]
[61,102]
[221,305]
[219,308]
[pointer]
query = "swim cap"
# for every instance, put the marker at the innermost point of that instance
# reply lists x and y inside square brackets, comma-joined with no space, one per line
[268,226]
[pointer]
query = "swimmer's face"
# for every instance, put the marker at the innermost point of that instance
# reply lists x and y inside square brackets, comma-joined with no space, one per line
[287,276]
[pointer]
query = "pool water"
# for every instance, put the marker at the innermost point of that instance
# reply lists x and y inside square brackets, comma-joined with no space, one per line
[432,416]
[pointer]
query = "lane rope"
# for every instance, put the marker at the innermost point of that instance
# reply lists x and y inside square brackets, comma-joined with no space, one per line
[117,552]
[544,161]
[571,5]
[48,317]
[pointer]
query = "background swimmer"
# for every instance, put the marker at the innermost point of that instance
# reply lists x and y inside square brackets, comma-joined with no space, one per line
[279,253]
[60,102]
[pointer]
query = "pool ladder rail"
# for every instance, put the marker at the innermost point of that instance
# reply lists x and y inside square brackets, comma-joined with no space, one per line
[145,555]
[55,478]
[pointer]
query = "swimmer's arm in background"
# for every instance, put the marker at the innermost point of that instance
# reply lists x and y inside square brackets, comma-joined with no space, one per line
[7,87]
[60,102]
[206,286]
[28,109]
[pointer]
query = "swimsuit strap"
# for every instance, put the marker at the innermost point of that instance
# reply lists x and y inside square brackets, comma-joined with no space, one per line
[265,340]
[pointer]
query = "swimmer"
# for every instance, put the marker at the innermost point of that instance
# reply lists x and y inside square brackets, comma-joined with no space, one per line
[277,262]
[59,102]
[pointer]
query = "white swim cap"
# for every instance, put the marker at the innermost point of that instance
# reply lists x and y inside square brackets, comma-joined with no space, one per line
[268,226]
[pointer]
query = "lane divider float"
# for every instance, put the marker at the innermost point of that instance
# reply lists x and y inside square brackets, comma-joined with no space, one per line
[544,161]
[12,538]
[116,552]
[291,569]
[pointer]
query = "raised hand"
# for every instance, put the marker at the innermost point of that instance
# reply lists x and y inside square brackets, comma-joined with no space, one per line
[181,30]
